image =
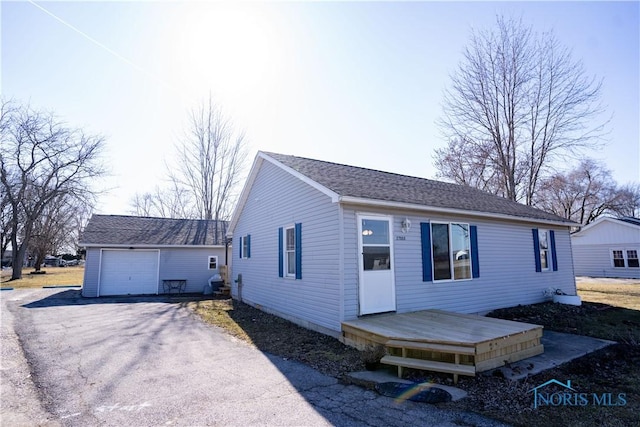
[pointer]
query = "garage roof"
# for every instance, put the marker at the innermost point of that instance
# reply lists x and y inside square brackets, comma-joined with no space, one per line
[121,230]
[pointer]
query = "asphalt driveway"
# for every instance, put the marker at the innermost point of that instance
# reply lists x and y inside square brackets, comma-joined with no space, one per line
[147,361]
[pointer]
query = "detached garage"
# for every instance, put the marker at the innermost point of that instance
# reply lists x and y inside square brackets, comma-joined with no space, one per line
[128,255]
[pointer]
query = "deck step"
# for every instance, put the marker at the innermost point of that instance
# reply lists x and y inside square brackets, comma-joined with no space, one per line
[437,347]
[429,365]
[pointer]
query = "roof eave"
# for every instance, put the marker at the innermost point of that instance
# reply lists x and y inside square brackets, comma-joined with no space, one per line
[593,224]
[244,194]
[425,208]
[252,176]
[146,246]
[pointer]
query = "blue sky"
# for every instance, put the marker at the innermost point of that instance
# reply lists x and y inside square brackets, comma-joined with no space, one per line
[350,82]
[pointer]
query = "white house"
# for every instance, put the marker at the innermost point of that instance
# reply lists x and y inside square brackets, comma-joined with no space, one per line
[608,247]
[129,255]
[320,243]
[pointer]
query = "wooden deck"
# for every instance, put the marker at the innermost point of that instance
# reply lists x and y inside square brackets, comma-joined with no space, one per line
[441,341]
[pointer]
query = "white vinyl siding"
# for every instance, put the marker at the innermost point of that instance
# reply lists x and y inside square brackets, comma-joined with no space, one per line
[174,263]
[313,300]
[506,262]
[593,249]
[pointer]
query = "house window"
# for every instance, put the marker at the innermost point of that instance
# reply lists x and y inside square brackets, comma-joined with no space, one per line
[213,263]
[245,246]
[618,258]
[544,248]
[451,251]
[290,252]
[625,258]
[543,237]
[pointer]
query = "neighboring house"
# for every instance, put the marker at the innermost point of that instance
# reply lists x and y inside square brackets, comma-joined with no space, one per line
[608,247]
[320,243]
[128,255]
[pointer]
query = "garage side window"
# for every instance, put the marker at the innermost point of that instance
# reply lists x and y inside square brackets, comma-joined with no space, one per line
[213,262]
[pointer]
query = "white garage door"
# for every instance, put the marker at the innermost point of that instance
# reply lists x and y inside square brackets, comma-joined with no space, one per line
[128,272]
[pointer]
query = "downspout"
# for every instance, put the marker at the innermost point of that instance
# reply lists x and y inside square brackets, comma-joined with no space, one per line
[227,242]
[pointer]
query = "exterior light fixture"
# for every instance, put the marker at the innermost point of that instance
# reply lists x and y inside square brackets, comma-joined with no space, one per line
[406,225]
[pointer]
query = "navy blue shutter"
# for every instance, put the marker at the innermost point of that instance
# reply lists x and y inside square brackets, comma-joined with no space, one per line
[536,249]
[248,245]
[240,248]
[280,254]
[475,263]
[554,257]
[425,236]
[298,251]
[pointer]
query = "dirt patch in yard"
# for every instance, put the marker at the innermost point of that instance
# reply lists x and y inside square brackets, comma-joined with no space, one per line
[611,370]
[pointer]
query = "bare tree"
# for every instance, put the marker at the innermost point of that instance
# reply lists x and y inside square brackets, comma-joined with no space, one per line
[174,202]
[470,164]
[517,102]
[58,228]
[41,161]
[627,200]
[209,159]
[205,173]
[586,193]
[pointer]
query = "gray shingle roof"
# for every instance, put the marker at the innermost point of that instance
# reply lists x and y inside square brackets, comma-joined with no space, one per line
[630,220]
[372,184]
[135,230]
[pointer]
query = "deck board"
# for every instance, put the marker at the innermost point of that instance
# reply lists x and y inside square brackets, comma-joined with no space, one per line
[493,341]
[439,326]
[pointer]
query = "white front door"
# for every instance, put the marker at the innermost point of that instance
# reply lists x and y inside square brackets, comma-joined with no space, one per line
[376,289]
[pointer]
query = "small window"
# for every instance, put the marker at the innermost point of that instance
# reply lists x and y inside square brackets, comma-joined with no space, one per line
[543,236]
[632,259]
[290,252]
[618,258]
[245,247]
[213,263]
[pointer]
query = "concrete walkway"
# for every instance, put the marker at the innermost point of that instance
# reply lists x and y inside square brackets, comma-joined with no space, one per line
[559,348]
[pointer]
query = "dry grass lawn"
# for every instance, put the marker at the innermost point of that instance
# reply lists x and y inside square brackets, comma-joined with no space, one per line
[623,293]
[55,276]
